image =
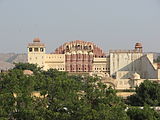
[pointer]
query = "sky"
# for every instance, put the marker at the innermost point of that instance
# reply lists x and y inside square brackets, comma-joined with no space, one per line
[110,24]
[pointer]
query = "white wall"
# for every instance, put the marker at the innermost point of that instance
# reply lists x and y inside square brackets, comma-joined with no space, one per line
[37,57]
[124,61]
[148,70]
[55,61]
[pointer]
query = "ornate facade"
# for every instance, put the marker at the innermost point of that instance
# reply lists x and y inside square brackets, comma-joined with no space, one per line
[75,56]
[119,66]
[79,55]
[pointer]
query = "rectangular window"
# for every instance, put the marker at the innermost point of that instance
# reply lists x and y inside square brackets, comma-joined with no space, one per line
[35,49]
[30,49]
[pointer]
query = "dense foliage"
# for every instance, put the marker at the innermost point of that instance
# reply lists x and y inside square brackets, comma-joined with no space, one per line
[62,97]
[143,114]
[27,66]
[147,93]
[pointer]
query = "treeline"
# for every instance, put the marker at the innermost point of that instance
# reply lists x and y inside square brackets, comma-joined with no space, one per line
[70,97]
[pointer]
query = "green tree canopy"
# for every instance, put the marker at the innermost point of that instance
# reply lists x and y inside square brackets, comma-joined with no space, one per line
[147,93]
[145,113]
[16,101]
[27,66]
[62,96]
[82,98]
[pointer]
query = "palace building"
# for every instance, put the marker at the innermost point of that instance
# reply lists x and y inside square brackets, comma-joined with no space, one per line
[122,68]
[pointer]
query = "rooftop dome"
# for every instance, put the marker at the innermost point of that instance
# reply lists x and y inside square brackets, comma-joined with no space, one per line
[36,40]
[138,45]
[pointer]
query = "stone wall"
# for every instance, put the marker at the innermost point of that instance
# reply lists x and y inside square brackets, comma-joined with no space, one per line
[124,61]
[55,61]
[148,70]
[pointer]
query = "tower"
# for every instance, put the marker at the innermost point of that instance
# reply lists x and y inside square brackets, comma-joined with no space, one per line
[138,47]
[36,53]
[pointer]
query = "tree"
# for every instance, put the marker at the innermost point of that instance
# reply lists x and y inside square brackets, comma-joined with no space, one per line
[64,97]
[147,93]
[27,66]
[145,113]
[16,100]
[83,98]
[103,102]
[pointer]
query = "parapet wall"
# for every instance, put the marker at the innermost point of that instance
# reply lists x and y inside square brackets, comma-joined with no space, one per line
[124,51]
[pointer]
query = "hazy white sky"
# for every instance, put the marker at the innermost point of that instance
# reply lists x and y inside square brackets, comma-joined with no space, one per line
[111,24]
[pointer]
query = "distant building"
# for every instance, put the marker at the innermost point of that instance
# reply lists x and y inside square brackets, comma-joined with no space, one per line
[124,68]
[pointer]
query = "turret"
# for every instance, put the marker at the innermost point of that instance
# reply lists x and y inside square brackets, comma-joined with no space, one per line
[36,52]
[138,47]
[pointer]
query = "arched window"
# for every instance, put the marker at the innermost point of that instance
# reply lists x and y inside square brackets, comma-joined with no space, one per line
[67,47]
[41,49]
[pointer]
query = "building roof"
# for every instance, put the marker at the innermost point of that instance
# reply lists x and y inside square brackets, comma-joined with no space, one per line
[27,72]
[138,45]
[36,40]
[81,45]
